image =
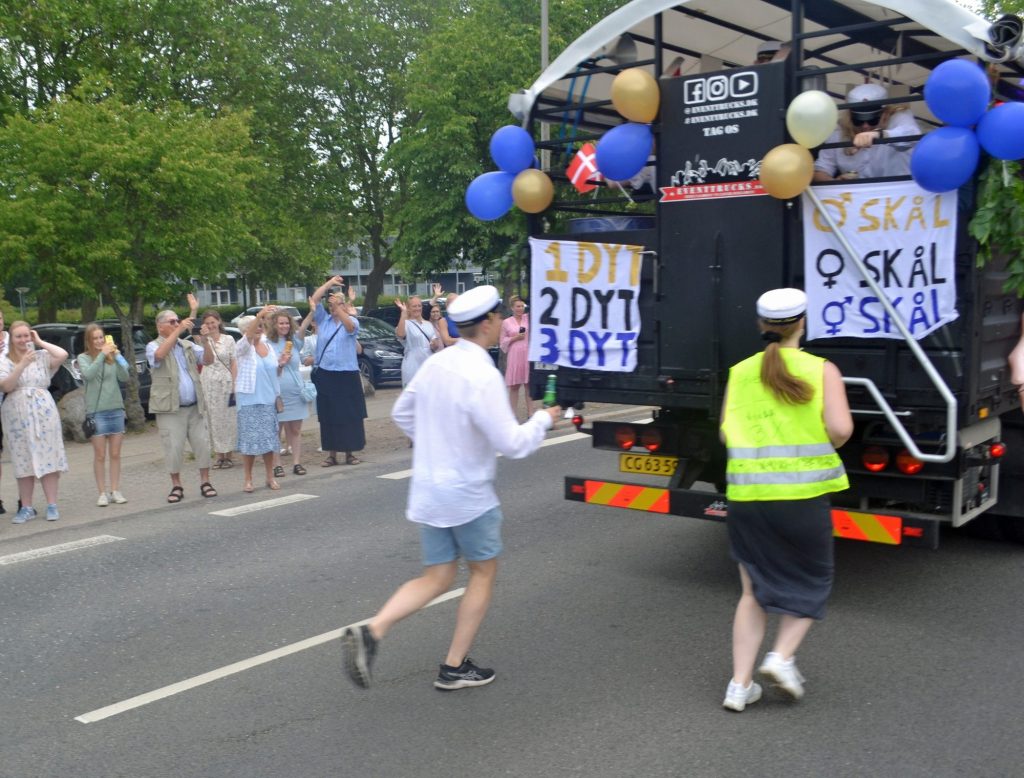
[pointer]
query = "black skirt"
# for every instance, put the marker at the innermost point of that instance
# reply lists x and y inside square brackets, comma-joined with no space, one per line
[341,408]
[786,547]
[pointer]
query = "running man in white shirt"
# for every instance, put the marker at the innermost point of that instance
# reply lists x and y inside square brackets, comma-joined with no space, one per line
[456,409]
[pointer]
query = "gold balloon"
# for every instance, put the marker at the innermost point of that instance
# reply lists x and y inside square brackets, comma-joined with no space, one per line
[635,95]
[532,190]
[787,170]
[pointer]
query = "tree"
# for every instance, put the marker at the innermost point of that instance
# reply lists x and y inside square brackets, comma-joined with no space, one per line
[126,201]
[459,88]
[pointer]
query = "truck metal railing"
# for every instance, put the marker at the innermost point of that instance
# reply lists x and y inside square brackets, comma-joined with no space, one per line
[893,416]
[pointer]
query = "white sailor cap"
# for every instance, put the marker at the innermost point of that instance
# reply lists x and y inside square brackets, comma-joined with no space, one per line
[473,306]
[863,93]
[782,306]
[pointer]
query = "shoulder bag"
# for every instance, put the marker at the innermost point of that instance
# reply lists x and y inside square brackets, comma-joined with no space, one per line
[89,423]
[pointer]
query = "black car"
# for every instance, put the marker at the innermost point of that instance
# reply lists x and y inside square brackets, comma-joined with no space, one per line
[381,360]
[71,338]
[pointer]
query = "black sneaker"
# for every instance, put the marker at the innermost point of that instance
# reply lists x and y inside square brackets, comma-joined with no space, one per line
[466,674]
[359,647]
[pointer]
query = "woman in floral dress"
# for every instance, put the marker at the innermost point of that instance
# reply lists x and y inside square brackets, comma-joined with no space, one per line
[30,417]
[218,380]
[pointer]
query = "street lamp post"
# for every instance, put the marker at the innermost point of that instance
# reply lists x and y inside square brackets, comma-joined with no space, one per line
[21,298]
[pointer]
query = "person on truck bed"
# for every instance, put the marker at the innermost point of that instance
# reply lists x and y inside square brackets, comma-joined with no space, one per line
[784,414]
[864,159]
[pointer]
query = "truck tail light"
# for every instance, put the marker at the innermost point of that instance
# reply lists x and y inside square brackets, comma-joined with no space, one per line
[875,459]
[650,439]
[625,437]
[997,450]
[908,464]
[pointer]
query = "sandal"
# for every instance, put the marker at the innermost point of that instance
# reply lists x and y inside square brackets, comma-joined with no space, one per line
[329,462]
[273,485]
[279,472]
[226,463]
[299,470]
[207,490]
[217,465]
[352,460]
[176,495]
[248,487]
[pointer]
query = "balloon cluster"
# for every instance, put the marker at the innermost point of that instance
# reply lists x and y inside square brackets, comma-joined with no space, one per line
[621,153]
[787,169]
[490,196]
[958,92]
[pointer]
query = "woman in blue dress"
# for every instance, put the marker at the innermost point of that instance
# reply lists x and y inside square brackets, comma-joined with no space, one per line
[287,343]
[258,397]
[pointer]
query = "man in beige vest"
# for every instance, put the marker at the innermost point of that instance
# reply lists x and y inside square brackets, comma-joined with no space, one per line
[176,397]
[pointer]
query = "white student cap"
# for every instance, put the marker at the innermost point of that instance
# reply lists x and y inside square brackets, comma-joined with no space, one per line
[863,93]
[473,306]
[782,306]
[769,47]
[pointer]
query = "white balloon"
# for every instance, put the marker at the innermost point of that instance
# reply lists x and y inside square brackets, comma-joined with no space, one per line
[811,118]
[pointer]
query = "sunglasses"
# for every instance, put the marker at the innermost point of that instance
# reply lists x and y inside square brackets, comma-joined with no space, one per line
[172,321]
[871,120]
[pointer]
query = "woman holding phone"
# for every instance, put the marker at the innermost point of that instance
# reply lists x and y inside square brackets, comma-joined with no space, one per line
[515,331]
[104,370]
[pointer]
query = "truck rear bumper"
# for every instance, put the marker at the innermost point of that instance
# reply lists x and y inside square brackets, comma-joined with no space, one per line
[890,528]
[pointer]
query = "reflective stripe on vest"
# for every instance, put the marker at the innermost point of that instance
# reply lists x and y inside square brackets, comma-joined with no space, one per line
[797,460]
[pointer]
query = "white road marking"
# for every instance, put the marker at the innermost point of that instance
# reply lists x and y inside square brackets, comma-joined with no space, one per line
[237,667]
[397,476]
[74,545]
[263,505]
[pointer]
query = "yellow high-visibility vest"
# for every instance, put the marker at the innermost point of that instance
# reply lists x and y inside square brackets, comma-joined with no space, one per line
[778,451]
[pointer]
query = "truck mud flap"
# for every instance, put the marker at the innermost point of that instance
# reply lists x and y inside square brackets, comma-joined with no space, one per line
[889,529]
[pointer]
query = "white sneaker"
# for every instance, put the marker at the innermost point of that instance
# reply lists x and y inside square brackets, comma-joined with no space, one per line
[738,697]
[782,674]
[119,498]
[102,500]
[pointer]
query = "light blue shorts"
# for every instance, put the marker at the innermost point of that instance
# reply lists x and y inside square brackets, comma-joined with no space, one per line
[475,541]
[109,422]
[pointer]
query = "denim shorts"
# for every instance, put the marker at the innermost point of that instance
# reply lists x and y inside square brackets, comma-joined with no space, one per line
[475,541]
[109,422]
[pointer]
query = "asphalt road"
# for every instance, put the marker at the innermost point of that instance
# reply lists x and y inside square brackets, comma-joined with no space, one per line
[609,634]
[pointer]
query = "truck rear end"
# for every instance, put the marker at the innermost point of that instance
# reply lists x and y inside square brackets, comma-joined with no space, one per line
[938,420]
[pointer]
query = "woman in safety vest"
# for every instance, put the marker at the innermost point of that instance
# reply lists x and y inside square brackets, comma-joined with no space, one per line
[785,413]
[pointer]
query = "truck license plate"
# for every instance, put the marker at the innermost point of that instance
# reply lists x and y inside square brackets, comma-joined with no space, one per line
[647,463]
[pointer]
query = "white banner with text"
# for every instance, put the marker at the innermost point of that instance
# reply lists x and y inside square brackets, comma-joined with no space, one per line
[586,312]
[905,235]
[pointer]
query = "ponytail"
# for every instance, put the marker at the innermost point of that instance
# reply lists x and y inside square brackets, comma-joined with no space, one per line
[774,373]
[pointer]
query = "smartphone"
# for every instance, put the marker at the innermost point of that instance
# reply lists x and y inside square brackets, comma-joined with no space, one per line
[108,338]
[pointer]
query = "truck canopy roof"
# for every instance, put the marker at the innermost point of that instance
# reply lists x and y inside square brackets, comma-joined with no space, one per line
[695,37]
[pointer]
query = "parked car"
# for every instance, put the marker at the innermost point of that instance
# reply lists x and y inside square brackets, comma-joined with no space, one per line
[381,360]
[254,309]
[71,338]
[391,314]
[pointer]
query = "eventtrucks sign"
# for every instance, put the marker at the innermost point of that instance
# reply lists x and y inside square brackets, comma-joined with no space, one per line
[586,304]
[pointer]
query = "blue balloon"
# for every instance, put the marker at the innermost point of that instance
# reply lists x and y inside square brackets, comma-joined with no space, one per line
[957,92]
[489,196]
[512,149]
[945,159]
[623,151]
[1001,131]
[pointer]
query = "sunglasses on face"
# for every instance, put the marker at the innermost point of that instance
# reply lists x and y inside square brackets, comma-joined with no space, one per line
[172,321]
[871,120]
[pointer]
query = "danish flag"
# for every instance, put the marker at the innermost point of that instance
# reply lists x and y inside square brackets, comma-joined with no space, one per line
[583,169]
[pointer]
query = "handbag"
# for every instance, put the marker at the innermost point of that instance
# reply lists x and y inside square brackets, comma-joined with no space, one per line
[307,389]
[89,424]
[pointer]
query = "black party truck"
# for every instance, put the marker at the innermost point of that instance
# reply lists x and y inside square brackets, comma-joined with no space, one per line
[643,290]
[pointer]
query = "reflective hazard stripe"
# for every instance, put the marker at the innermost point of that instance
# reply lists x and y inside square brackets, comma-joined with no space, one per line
[872,527]
[801,477]
[768,452]
[638,498]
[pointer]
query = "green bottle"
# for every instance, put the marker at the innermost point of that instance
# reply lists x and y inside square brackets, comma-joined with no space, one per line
[549,391]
